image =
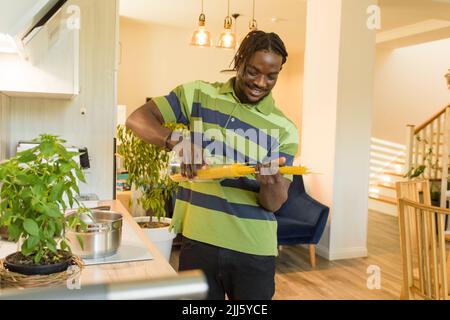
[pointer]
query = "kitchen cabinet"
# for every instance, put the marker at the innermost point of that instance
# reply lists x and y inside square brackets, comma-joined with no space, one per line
[47,64]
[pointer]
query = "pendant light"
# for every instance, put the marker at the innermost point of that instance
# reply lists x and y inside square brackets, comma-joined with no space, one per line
[201,37]
[227,38]
[253,25]
[230,69]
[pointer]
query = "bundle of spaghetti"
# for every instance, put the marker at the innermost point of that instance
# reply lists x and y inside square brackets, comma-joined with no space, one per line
[235,171]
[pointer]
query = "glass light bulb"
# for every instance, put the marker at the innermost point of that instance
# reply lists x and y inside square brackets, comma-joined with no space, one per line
[201,37]
[227,39]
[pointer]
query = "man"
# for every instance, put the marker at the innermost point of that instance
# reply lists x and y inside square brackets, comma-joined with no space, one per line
[229,229]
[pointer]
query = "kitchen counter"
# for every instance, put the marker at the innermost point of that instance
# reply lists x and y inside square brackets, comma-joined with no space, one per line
[117,272]
[128,271]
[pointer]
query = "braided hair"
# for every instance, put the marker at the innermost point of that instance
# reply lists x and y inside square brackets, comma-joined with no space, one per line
[259,41]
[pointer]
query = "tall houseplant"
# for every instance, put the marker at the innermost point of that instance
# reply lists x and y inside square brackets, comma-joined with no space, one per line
[147,167]
[34,188]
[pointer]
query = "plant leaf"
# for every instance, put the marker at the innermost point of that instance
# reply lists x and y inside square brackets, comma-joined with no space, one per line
[47,148]
[80,241]
[32,242]
[27,156]
[52,211]
[14,232]
[31,227]
[80,175]
[57,191]
[51,246]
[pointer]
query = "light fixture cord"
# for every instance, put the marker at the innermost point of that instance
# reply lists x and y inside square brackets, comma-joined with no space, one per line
[253,10]
[228,12]
[202,6]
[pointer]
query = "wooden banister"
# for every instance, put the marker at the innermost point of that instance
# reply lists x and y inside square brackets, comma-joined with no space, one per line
[426,123]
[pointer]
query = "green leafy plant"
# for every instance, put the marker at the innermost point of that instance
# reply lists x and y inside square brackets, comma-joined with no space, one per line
[33,188]
[147,167]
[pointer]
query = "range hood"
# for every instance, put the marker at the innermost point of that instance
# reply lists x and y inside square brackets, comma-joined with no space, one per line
[23,20]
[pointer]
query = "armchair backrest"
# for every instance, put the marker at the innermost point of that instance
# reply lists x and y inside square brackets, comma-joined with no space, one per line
[300,205]
[297,185]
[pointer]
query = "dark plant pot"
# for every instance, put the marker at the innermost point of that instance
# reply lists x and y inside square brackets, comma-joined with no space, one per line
[35,269]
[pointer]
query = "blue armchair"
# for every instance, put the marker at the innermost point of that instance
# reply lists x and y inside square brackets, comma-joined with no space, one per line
[301,219]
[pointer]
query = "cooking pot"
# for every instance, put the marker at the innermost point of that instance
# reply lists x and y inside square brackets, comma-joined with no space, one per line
[102,236]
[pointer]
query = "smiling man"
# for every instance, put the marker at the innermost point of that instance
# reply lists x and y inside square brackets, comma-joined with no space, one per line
[229,227]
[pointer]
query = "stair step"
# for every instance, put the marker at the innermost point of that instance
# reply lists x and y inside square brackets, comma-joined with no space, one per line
[384,185]
[391,173]
[385,199]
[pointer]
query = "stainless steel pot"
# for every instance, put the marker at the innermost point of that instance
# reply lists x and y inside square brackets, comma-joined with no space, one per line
[101,238]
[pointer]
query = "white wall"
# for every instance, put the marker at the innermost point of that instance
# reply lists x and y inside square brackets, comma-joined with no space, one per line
[31,116]
[338,89]
[155,59]
[410,87]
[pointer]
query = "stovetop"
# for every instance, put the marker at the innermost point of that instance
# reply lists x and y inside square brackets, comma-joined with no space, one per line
[131,249]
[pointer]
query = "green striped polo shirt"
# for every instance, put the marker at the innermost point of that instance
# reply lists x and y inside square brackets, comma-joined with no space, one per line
[226,212]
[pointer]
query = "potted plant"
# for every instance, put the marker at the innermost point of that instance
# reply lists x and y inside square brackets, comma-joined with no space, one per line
[147,167]
[34,188]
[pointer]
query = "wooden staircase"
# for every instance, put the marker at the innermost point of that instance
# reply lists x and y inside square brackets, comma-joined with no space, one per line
[428,147]
[387,163]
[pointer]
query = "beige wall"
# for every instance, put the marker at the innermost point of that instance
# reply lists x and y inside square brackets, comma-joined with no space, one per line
[409,87]
[155,59]
[288,92]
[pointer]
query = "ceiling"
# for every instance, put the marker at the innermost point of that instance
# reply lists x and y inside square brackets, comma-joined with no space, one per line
[285,17]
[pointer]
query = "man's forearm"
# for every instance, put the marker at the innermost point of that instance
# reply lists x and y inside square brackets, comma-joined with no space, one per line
[146,123]
[272,196]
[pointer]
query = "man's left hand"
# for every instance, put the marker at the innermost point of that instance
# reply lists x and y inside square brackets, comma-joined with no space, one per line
[267,174]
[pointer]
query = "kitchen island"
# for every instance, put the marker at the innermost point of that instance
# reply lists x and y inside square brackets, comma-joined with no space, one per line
[125,271]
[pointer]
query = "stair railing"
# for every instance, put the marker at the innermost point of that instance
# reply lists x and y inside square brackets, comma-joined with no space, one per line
[428,148]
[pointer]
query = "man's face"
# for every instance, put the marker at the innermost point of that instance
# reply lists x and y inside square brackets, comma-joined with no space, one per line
[256,79]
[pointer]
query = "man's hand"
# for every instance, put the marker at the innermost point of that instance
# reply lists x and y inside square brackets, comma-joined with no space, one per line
[268,173]
[191,156]
[273,186]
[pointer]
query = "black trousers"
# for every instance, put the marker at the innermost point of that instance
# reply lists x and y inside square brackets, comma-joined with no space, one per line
[239,275]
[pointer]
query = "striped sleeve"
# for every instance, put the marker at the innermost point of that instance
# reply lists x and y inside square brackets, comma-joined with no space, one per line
[288,146]
[177,105]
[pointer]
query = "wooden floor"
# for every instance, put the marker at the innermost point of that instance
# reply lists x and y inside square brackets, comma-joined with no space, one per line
[341,279]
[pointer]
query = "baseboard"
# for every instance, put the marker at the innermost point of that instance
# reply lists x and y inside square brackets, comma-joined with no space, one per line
[348,253]
[322,251]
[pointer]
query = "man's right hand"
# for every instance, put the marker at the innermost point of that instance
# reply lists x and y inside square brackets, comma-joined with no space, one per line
[191,156]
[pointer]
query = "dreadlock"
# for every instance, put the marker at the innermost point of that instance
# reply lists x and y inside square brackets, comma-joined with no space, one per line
[259,41]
